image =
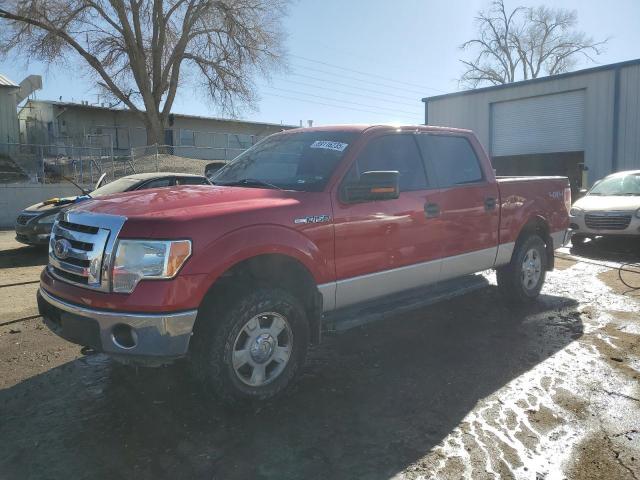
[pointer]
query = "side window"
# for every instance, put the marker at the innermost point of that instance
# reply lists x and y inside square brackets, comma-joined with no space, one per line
[191,181]
[160,182]
[187,137]
[392,152]
[453,159]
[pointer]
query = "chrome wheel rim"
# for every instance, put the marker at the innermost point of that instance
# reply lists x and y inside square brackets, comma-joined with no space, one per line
[262,349]
[531,269]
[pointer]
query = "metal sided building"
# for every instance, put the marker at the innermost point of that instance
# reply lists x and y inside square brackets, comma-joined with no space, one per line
[9,127]
[45,122]
[553,125]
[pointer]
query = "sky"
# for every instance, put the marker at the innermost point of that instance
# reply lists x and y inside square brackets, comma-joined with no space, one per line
[365,61]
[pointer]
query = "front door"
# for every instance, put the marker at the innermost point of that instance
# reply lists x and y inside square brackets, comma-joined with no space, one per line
[386,246]
[469,204]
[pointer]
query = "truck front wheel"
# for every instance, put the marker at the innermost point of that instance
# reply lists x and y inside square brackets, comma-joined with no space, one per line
[253,348]
[521,280]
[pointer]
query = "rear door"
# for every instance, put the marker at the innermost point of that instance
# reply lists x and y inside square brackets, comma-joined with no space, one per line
[386,246]
[468,204]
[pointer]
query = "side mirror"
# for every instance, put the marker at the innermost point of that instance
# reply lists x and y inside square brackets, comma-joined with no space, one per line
[375,185]
[583,191]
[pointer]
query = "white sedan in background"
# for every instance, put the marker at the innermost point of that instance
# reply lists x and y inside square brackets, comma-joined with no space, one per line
[610,208]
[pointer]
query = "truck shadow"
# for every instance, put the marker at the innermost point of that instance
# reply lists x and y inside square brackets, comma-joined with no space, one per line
[370,402]
[24,256]
[613,249]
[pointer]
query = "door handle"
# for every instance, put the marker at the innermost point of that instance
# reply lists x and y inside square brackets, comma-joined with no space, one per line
[489,203]
[431,210]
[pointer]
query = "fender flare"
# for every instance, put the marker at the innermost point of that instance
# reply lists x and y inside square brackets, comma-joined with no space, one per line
[225,252]
[539,224]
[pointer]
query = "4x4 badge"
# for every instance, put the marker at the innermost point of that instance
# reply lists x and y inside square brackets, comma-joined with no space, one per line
[312,219]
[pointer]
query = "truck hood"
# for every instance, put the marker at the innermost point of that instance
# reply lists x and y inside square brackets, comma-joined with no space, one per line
[188,202]
[599,203]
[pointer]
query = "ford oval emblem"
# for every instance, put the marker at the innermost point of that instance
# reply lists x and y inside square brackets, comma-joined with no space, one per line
[61,248]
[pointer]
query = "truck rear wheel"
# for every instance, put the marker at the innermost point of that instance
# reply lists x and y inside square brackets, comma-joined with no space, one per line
[521,280]
[253,348]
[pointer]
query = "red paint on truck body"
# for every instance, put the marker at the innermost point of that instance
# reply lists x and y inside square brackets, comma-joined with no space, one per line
[230,224]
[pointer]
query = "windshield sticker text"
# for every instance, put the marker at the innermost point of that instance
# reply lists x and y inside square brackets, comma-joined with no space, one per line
[328,145]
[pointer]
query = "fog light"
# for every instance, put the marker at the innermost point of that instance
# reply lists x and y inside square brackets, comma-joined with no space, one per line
[124,336]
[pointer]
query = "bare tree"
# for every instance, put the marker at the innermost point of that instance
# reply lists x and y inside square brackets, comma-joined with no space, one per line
[525,43]
[142,51]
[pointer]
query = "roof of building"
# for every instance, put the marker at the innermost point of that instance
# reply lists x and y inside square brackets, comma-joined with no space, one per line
[611,66]
[6,82]
[177,115]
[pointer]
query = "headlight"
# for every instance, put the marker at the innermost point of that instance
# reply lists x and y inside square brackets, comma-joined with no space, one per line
[47,219]
[150,259]
[576,212]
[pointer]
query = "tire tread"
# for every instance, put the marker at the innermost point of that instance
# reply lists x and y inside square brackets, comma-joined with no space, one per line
[214,337]
[508,276]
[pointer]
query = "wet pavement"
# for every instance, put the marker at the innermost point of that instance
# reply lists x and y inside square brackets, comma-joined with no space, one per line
[468,388]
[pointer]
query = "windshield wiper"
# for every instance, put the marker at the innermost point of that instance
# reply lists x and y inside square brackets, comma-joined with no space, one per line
[249,182]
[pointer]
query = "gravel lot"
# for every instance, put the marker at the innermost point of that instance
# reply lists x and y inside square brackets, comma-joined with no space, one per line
[464,389]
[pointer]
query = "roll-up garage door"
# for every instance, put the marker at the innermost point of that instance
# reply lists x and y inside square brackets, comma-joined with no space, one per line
[544,124]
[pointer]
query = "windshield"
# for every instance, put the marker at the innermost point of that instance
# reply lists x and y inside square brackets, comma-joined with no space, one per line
[117,186]
[618,185]
[301,161]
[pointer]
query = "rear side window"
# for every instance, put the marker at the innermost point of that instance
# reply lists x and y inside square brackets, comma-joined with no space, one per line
[191,181]
[453,159]
[392,152]
[160,182]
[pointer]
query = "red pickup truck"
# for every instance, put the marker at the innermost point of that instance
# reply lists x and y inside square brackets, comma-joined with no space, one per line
[308,223]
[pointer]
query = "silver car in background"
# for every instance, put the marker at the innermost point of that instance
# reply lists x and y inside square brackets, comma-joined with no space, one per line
[610,208]
[34,223]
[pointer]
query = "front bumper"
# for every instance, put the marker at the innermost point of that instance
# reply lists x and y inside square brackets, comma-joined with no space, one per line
[578,225]
[33,234]
[134,337]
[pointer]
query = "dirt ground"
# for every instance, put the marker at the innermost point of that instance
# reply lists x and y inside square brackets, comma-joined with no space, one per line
[467,388]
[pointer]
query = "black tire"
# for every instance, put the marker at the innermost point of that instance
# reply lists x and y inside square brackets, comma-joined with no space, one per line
[218,330]
[516,284]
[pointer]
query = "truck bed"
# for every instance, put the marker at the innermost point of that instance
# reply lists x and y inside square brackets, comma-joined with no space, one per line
[526,197]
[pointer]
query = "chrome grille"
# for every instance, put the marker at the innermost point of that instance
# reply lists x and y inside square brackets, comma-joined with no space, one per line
[24,218]
[608,220]
[81,248]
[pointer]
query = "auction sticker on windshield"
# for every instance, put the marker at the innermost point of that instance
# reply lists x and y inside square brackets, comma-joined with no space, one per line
[326,144]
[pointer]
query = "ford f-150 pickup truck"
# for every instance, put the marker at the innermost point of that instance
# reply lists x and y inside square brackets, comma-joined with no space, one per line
[304,225]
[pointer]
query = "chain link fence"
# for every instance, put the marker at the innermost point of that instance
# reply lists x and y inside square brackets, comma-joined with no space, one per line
[51,163]
[85,165]
[183,159]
